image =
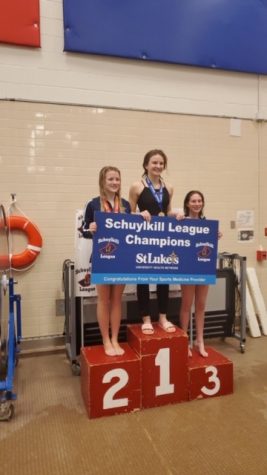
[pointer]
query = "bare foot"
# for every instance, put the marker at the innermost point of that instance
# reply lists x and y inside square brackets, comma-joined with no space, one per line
[119,351]
[201,349]
[108,349]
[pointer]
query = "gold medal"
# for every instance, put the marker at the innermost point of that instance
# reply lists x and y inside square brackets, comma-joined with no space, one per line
[161,214]
[108,208]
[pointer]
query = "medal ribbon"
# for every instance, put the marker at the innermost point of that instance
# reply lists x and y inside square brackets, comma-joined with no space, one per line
[158,195]
[108,208]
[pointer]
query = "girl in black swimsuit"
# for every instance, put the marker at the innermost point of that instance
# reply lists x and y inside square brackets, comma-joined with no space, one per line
[153,198]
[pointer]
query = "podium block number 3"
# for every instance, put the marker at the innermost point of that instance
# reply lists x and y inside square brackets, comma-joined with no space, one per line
[213,378]
[108,401]
[163,361]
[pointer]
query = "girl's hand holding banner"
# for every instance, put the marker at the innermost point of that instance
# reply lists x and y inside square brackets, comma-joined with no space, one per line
[129,250]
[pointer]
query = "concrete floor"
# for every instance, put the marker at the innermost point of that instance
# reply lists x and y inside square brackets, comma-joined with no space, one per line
[51,433]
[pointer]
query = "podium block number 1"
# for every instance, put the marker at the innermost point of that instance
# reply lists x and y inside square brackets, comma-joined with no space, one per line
[163,361]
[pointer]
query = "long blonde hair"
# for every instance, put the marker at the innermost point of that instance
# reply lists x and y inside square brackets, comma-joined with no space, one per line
[102,177]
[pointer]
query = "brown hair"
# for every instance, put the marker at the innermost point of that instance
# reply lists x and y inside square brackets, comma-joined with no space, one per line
[150,154]
[187,199]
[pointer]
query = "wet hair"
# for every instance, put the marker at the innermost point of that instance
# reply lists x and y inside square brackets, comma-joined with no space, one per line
[102,178]
[150,154]
[187,199]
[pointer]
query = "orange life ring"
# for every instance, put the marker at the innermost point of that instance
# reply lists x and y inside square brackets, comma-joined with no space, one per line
[33,249]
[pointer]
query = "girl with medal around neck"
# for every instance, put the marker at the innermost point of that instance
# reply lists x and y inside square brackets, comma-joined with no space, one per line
[108,296]
[153,197]
[193,208]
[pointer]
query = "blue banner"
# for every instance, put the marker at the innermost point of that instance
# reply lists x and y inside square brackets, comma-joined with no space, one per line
[217,34]
[129,250]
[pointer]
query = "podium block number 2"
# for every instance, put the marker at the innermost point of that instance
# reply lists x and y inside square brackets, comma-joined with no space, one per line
[108,400]
[163,361]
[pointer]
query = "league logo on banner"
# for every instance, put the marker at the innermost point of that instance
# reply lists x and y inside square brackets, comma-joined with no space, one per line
[82,260]
[129,250]
[82,263]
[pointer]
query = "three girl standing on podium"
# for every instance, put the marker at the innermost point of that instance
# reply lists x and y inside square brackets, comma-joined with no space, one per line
[153,197]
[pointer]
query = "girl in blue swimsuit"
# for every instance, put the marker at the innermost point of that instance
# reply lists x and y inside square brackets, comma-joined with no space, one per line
[108,296]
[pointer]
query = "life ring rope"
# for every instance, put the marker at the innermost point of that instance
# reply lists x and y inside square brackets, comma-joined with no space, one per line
[25,258]
[34,248]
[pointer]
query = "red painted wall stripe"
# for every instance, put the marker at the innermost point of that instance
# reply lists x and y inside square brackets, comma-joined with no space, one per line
[20,22]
